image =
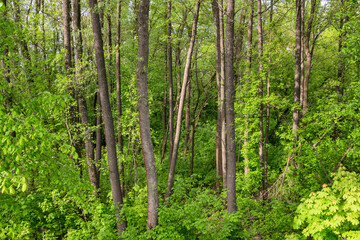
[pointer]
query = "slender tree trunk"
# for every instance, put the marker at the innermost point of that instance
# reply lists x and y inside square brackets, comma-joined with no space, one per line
[118,94]
[215,10]
[267,127]
[308,53]
[230,117]
[164,108]
[68,69]
[144,115]
[341,66]
[222,95]
[247,83]
[5,51]
[109,49]
[297,77]
[302,55]
[187,117]
[181,103]
[107,117]
[93,174]
[260,90]
[170,77]
[67,37]
[98,123]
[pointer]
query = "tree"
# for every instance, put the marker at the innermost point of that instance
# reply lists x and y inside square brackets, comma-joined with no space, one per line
[107,117]
[144,115]
[93,173]
[230,116]
[170,182]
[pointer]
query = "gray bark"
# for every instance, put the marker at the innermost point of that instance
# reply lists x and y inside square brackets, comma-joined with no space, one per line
[170,182]
[144,115]
[107,117]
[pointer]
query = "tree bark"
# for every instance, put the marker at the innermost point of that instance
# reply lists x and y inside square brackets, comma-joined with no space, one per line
[144,115]
[118,94]
[5,51]
[170,182]
[267,126]
[170,77]
[260,91]
[230,117]
[309,55]
[107,117]
[249,62]
[109,49]
[215,10]
[98,135]
[187,117]
[222,95]
[297,78]
[93,174]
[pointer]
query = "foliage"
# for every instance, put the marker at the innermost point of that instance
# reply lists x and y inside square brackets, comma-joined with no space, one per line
[333,211]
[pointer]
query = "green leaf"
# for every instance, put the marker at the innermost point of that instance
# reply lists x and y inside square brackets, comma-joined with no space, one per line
[2,7]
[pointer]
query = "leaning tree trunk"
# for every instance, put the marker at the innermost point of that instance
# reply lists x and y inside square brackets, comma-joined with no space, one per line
[230,118]
[107,117]
[170,182]
[89,146]
[144,115]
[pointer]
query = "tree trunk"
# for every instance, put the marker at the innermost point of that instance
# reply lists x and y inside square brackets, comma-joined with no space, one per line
[68,68]
[98,136]
[297,77]
[230,117]
[267,126]
[107,117]
[144,115]
[308,53]
[222,95]
[215,10]
[118,94]
[93,174]
[187,117]
[181,102]
[109,49]
[5,51]
[170,77]
[249,62]
[260,91]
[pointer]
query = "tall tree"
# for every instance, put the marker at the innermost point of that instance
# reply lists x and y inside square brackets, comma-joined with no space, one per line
[118,92]
[309,55]
[267,125]
[170,77]
[297,78]
[230,117]
[249,62]
[216,17]
[144,115]
[107,117]
[170,182]
[93,174]
[260,90]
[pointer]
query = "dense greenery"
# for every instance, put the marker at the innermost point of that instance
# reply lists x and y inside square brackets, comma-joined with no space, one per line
[312,188]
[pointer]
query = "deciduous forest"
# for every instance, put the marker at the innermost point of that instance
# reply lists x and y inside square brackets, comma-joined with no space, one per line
[164,119]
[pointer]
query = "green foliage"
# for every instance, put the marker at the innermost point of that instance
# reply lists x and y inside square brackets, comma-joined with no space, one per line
[334,211]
